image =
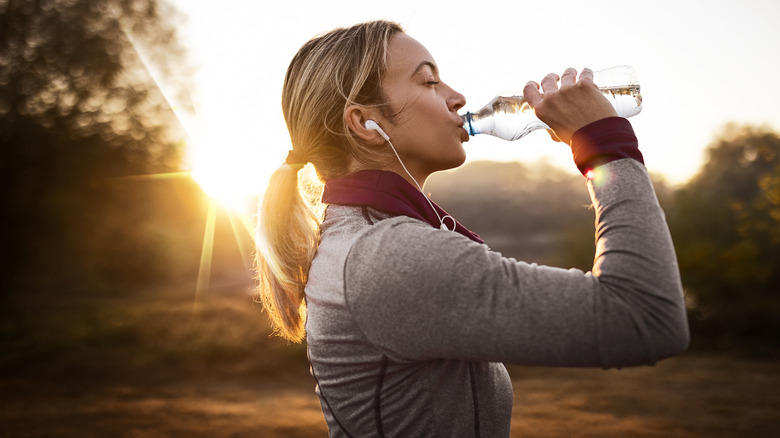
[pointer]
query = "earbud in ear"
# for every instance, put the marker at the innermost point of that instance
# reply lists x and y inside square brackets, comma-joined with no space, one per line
[374,126]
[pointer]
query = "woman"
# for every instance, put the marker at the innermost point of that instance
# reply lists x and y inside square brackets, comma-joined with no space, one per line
[407,322]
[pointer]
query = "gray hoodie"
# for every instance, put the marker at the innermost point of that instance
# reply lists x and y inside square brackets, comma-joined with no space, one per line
[408,325]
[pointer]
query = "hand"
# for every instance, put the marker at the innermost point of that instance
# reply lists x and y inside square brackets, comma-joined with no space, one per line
[575,104]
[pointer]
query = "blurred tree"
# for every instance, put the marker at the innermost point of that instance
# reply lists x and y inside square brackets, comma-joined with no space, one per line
[78,110]
[535,213]
[726,226]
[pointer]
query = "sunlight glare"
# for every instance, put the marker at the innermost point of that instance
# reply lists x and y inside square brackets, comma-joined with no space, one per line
[204,270]
[226,164]
[222,157]
[230,171]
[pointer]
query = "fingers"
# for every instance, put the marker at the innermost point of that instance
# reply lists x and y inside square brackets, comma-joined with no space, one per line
[554,136]
[550,82]
[568,103]
[531,93]
[569,76]
[587,75]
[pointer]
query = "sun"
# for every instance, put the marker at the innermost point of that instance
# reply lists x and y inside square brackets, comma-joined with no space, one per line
[230,169]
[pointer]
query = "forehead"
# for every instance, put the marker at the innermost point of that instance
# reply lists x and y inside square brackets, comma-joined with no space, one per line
[405,55]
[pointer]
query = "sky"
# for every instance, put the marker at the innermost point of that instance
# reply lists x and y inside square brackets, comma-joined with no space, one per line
[701,64]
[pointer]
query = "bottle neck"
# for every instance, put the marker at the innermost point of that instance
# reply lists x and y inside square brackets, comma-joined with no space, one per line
[507,116]
[477,123]
[468,123]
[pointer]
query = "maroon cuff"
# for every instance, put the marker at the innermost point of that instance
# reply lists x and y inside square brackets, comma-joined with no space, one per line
[604,141]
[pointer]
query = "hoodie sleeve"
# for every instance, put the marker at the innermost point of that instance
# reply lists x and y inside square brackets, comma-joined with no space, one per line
[422,293]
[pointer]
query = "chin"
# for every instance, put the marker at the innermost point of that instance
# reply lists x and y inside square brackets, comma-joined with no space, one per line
[461,157]
[459,162]
[453,161]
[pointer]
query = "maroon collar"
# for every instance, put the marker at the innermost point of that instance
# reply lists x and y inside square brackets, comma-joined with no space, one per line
[388,192]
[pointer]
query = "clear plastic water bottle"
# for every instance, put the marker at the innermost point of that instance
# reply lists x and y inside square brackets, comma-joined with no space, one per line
[510,117]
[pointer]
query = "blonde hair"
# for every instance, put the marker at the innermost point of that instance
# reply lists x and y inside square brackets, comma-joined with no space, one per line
[329,73]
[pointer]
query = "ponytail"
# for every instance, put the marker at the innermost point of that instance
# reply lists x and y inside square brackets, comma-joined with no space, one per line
[327,75]
[287,238]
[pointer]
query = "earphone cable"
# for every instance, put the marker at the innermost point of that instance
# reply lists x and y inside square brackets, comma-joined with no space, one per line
[441,221]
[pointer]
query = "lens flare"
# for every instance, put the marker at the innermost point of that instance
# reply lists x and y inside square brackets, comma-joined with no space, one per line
[223,161]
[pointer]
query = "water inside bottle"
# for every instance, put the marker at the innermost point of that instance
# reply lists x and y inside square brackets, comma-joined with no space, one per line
[627,99]
[514,117]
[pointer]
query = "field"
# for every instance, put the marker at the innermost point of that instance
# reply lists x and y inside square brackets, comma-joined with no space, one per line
[161,363]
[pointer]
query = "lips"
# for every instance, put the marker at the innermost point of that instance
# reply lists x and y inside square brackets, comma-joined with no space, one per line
[464,135]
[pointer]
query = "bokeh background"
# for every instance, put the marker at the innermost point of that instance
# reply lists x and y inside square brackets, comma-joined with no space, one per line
[136,136]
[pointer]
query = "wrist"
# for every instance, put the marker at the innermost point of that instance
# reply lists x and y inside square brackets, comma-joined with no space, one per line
[603,141]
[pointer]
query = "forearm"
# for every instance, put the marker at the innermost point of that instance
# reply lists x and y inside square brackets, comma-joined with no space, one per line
[636,266]
[634,252]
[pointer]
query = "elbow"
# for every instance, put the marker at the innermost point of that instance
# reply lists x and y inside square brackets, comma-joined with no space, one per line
[653,335]
[647,322]
[665,317]
[674,345]
[662,328]
[674,336]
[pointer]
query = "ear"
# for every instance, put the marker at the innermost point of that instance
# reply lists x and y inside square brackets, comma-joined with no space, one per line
[356,116]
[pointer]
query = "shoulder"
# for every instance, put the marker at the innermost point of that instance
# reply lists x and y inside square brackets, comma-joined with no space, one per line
[404,246]
[401,270]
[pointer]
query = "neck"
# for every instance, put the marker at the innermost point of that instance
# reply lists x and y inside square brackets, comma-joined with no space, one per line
[414,177]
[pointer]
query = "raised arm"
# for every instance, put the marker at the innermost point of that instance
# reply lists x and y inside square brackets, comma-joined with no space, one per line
[433,294]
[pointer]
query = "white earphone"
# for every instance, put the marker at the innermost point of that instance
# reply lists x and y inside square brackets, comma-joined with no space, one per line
[374,126]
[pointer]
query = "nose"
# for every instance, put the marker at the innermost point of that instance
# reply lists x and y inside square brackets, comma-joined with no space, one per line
[456,100]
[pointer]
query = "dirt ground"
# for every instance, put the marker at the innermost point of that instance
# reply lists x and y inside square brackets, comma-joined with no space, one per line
[689,396]
[153,366]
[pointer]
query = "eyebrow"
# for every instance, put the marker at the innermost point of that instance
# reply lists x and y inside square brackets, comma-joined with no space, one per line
[426,63]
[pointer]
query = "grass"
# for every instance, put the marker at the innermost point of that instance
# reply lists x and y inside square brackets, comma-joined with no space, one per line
[155,364]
